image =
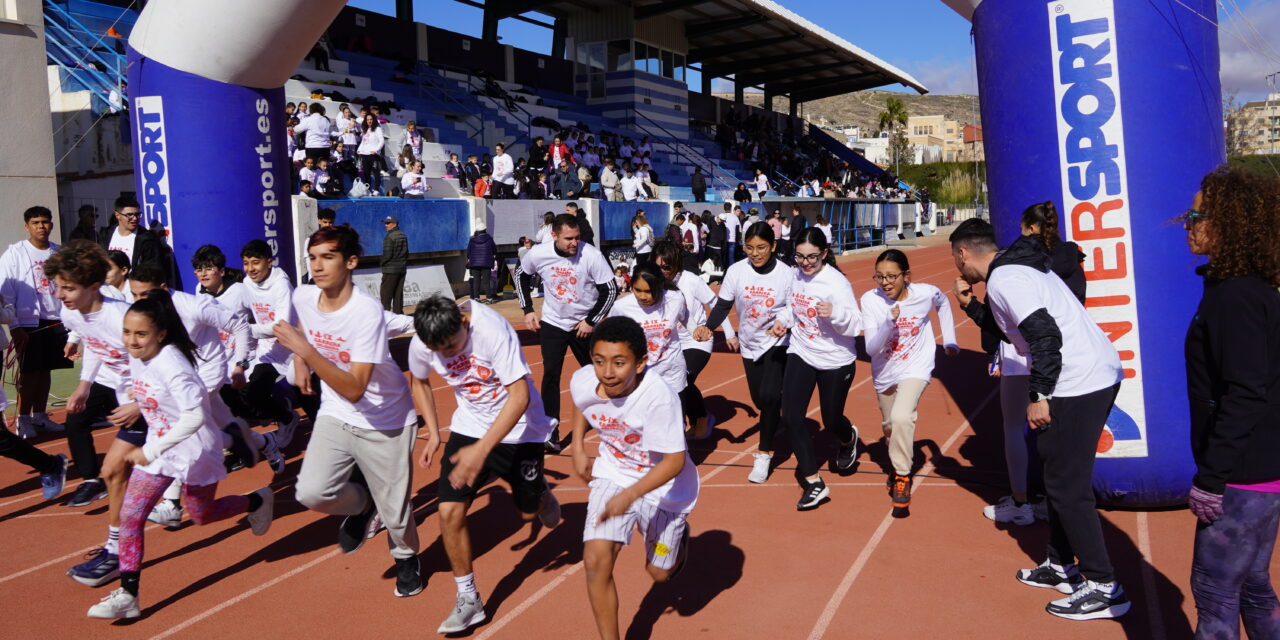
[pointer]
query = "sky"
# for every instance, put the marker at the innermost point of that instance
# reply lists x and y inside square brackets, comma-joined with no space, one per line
[927,40]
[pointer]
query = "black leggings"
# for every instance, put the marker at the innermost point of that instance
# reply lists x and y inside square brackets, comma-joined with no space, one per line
[554,342]
[258,399]
[764,380]
[11,446]
[691,398]
[100,404]
[797,387]
[369,165]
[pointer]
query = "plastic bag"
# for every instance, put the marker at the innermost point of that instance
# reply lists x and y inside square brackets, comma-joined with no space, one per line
[358,189]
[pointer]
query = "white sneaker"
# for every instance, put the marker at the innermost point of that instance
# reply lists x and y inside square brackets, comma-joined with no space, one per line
[117,605]
[166,514]
[468,611]
[550,513]
[260,518]
[1005,510]
[43,422]
[760,468]
[26,430]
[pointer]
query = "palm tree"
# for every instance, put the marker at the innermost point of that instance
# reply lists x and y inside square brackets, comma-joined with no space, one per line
[894,116]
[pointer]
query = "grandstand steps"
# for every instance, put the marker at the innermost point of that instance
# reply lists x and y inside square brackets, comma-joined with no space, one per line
[318,78]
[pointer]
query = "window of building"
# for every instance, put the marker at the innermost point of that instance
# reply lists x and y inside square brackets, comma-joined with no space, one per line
[620,55]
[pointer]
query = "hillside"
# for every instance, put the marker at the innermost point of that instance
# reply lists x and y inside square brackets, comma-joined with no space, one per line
[863,108]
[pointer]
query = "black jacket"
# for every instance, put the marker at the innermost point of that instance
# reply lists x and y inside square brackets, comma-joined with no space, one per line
[147,249]
[1233,383]
[1065,262]
[395,252]
[588,235]
[698,182]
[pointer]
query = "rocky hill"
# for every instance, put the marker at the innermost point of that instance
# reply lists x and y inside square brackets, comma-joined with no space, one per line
[863,108]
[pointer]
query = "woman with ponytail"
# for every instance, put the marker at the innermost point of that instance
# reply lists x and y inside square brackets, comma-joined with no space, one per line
[822,316]
[182,443]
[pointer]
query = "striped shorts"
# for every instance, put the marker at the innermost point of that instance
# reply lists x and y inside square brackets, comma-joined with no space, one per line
[662,530]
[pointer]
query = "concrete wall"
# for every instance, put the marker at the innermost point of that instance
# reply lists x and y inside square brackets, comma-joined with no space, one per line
[26,148]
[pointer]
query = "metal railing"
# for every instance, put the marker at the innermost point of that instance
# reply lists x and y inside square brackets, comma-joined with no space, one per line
[68,45]
[475,86]
[688,153]
[427,84]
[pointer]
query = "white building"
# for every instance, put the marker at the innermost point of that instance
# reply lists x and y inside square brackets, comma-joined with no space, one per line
[875,149]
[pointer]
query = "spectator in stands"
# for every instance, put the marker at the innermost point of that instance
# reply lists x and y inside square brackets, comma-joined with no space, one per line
[647,182]
[413,139]
[453,168]
[481,187]
[321,57]
[632,188]
[584,177]
[325,184]
[291,141]
[559,153]
[539,189]
[372,164]
[482,255]
[642,237]
[762,183]
[376,111]
[405,161]
[609,181]
[317,129]
[394,262]
[140,245]
[470,173]
[413,186]
[538,155]
[698,184]
[307,174]
[486,164]
[504,179]
[741,194]
[348,131]
[87,227]
[342,166]
[308,189]
[587,234]
[326,217]
[565,183]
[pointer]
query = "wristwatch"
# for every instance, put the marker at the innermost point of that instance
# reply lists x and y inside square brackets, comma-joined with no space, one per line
[243,364]
[1036,396]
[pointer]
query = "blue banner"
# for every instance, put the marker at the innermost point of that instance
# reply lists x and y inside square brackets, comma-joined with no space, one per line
[615,219]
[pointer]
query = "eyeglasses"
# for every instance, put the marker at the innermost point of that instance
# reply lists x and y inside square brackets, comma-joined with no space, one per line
[888,277]
[1192,218]
[813,257]
[666,268]
[134,214]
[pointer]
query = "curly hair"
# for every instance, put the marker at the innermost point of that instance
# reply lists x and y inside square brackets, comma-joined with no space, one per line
[1242,210]
[79,261]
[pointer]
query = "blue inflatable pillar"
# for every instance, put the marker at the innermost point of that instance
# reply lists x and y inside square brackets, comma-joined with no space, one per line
[1111,109]
[206,93]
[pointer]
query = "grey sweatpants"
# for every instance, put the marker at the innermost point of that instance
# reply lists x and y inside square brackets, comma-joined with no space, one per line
[385,459]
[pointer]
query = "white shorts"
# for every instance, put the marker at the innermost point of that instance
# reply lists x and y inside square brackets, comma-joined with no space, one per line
[663,530]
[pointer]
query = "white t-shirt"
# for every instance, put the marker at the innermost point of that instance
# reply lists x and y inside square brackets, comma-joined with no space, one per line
[307,175]
[165,388]
[732,226]
[234,299]
[698,296]
[205,320]
[479,375]
[356,333]
[123,243]
[1013,363]
[630,188]
[904,348]
[348,130]
[503,169]
[826,231]
[568,282]
[661,324]
[270,301]
[1089,360]
[689,233]
[635,433]
[758,299]
[413,184]
[762,183]
[823,343]
[106,361]
[24,285]
[317,128]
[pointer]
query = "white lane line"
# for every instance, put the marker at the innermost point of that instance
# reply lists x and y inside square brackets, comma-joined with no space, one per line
[1155,617]
[60,559]
[833,605]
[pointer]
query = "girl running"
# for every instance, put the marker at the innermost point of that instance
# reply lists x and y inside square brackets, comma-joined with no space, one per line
[657,306]
[182,443]
[899,339]
[697,353]
[822,315]
[760,285]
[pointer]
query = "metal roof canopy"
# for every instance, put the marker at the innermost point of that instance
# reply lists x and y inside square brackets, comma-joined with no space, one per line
[756,41]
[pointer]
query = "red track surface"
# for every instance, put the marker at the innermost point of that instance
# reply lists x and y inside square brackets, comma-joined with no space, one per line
[758,568]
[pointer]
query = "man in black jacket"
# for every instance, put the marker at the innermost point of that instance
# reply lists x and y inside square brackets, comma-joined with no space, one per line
[141,245]
[698,183]
[394,262]
[584,226]
[1072,393]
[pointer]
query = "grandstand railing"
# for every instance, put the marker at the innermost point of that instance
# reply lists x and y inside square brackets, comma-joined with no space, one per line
[680,149]
[75,49]
[476,85]
[429,88]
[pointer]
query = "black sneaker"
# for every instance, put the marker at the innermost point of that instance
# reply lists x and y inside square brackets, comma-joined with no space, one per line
[815,494]
[1092,601]
[847,455]
[408,577]
[87,492]
[353,531]
[552,446]
[1046,577]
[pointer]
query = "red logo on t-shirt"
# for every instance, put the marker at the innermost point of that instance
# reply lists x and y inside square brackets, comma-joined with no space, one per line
[632,438]
[812,313]
[344,357]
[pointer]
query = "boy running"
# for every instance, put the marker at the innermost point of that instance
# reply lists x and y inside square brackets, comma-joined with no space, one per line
[498,428]
[642,477]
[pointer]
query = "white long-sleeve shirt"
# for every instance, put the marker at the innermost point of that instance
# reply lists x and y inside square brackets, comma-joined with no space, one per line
[24,285]
[270,301]
[631,188]
[371,142]
[318,130]
[504,169]
[903,349]
[413,184]
[643,240]
[823,343]
[348,131]
[205,320]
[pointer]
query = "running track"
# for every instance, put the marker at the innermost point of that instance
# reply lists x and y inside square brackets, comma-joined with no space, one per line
[758,568]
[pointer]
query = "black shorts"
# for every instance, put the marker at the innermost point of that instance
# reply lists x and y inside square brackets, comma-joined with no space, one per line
[519,464]
[135,434]
[43,350]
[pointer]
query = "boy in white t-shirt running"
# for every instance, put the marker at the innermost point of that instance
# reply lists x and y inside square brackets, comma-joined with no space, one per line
[498,428]
[642,477]
[359,461]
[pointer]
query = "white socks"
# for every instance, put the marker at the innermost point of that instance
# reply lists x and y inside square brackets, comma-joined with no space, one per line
[466,584]
[113,540]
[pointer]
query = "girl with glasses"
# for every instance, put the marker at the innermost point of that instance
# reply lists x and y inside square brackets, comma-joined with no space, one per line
[899,339]
[822,316]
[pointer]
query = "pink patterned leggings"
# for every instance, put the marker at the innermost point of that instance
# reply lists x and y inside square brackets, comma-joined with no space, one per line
[145,490]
